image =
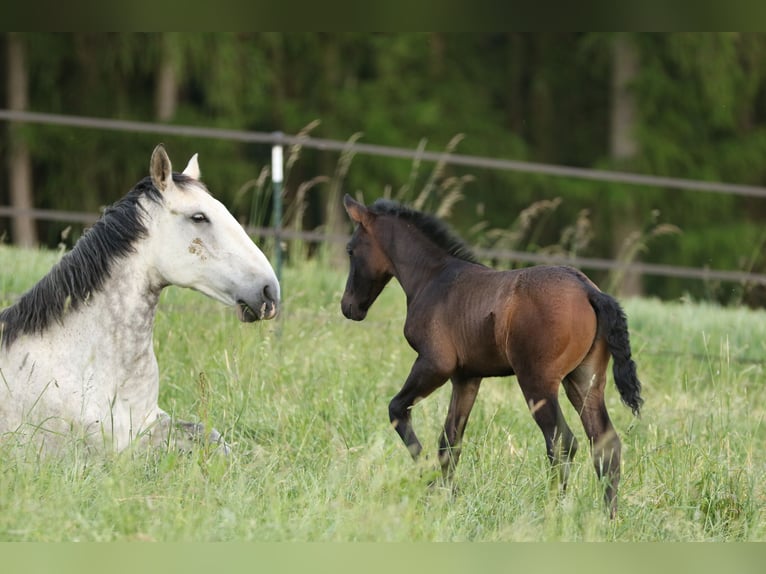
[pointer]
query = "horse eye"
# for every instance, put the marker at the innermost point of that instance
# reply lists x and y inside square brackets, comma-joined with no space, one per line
[349,250]
[199,218]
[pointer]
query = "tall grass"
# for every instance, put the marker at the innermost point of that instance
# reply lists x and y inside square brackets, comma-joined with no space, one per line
[303,401]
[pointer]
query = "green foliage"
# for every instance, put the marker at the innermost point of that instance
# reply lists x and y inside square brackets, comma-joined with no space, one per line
[537,97]
[702,116]
[303,402]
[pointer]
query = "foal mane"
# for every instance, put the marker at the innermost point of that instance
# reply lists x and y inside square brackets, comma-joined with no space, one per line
[431,226]
[84,269]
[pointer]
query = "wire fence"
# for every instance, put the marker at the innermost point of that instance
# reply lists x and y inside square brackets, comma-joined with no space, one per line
[280,139]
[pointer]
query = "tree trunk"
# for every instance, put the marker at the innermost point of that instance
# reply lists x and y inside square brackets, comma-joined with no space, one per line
[624,147]
[515,104]
[24,233]
[336,221]
[166,88]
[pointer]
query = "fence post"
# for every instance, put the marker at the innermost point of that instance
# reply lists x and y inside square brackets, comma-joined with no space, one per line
[276,180]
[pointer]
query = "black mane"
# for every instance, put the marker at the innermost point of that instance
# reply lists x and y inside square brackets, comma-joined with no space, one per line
[85,268]
[435,229]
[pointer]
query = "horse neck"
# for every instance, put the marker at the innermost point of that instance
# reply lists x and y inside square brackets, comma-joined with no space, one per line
[415,258]
[120,313]
[131,295]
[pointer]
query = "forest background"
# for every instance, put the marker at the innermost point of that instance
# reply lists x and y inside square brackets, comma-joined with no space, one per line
[685,105]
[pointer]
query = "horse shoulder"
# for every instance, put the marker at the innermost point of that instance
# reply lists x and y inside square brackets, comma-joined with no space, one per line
[428,332]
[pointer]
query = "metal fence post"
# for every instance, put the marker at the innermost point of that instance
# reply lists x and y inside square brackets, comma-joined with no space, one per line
[276,180]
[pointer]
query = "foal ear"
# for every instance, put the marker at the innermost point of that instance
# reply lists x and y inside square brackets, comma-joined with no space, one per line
[160,168]
[192,168]
[357,211]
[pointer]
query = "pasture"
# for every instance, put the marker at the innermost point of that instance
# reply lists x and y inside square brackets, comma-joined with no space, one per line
[303,402]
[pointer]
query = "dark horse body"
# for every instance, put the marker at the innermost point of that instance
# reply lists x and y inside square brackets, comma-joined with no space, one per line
[546,325]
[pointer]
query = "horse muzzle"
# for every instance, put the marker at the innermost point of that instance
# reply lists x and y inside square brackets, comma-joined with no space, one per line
[353,311]
[265,307]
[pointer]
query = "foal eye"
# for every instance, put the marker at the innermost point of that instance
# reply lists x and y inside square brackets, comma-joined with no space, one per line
[199,218]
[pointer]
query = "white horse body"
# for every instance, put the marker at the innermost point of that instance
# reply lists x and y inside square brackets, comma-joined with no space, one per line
[79,380]
[92,372]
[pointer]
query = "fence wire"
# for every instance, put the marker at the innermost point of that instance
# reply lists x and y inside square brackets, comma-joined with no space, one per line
[278,138]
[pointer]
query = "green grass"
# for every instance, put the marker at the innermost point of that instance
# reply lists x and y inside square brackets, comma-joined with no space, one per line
[303,400]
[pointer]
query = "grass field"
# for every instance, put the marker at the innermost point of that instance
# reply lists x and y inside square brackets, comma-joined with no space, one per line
[303,401]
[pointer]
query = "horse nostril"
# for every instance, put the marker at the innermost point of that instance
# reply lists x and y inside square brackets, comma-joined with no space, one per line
[267,293]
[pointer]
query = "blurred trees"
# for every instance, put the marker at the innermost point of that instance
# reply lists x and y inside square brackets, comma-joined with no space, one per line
[698,106]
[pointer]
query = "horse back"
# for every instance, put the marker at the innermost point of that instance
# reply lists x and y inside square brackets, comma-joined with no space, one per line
[477,321]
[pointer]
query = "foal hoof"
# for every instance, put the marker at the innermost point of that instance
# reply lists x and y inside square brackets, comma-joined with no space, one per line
[444,487]
[437,482]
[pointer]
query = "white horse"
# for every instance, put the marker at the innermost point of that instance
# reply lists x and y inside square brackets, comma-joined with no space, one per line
[76,355]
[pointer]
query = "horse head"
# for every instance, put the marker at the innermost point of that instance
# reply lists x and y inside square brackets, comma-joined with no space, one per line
[196,242]
[369,266]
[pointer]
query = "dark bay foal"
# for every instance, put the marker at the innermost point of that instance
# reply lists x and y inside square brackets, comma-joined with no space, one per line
[545,324]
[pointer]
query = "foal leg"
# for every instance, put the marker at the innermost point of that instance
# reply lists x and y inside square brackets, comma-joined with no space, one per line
[450,444]
[560,443]
[585,389]
[421,382]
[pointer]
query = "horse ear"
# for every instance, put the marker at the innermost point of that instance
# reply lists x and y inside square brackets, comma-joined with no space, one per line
[192,168]
[357,211]
[160,168]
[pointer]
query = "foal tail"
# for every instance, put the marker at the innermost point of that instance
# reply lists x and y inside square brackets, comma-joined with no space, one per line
[613,327]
